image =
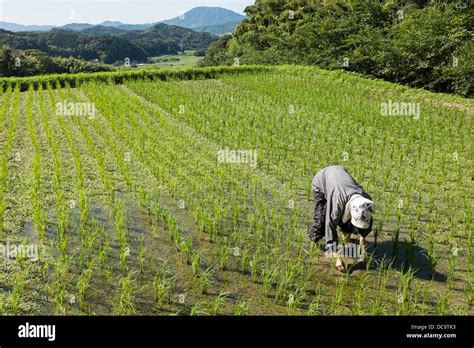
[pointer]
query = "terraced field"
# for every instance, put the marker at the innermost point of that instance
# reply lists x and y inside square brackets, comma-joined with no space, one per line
[192,195]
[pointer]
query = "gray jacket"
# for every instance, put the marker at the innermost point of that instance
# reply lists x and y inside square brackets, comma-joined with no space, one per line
[338,186]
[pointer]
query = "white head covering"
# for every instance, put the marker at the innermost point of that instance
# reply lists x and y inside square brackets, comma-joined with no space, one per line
[361,212]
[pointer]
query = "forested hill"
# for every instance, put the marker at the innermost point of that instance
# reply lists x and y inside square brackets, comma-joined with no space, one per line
[421,43]
[109,45]
[66,43]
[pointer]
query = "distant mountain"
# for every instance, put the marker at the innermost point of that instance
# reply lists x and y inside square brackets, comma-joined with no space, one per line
[135,26]
[200,17]
[102,30]
[214,20]
[76,26]
[20,27]
[219,29]
[111,24]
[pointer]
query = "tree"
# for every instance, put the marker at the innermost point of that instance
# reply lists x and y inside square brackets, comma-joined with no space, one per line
[413,42]
[7,61]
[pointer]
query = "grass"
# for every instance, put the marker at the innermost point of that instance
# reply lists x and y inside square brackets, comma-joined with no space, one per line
[177,61]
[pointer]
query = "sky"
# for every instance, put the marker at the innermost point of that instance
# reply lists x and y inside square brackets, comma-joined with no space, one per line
[60,12]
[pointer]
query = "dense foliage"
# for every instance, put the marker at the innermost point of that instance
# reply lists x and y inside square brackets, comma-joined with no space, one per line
[167,39]
[66,43]
[35,62]
[420,43]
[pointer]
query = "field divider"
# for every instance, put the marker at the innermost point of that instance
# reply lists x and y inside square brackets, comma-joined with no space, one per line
[76,80]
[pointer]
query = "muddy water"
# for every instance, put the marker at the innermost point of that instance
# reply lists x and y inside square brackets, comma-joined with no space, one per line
[101,296]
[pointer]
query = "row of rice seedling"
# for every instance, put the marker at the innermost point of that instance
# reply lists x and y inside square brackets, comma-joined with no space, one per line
[274,106]
[118,77]
[127,169]
[36,194]
[9,135]
[136,153]
[153,149]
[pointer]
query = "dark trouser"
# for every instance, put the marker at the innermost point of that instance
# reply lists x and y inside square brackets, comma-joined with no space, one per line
[316,232]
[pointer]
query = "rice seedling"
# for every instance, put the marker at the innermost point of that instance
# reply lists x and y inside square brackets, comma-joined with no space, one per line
[57,287]
[315,307]
[163,286]
[404,297]
[443,302]
[218,302]
[142,253]
[377,306]
[7,150]
[360,296]
[433,257]
[120,225]
[104,251]
[244,260]
[469,290]
[469,243]
[425,298]
[126,290]
[254,265]
[199,309]
[83,283]
[186,249]
[452,261]
[377,230]
[336,304]
[224,256]
[268,276]
[196,261]
[87,248]
[205,279]
[290,280]
[38,215]
[17,292]
[295,299]
[241,307]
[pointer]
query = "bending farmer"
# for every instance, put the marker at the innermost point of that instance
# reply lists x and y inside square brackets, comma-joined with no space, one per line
[339,202]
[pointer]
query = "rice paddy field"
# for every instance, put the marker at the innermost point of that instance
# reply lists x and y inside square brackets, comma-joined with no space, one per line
[120,192]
